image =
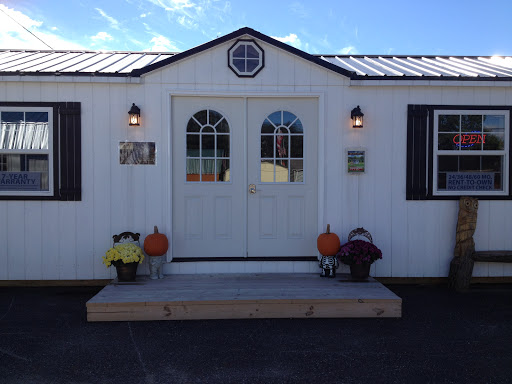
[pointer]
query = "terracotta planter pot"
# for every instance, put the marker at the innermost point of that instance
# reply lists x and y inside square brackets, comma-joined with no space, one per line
[126,272]
[360,271]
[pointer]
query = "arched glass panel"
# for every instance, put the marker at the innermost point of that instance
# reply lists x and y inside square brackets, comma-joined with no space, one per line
[282,149]
[208,147]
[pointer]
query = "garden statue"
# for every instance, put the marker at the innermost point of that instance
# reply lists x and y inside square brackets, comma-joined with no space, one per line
[328,245]
[156,245]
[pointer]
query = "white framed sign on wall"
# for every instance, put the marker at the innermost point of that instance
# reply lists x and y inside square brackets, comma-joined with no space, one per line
[356,160]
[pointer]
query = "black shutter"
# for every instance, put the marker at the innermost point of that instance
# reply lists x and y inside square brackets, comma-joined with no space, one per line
[70,152]
[417,130]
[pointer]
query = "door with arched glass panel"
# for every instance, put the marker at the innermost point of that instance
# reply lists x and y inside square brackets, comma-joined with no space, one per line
[282,166]
[208,177]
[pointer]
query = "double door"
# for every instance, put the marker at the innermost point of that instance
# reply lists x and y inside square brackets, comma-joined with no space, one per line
[244,178]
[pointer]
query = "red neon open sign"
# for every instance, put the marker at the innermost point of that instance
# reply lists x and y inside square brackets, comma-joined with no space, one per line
[469,139]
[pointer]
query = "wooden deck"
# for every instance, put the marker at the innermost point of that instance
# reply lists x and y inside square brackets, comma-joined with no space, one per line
[242,296]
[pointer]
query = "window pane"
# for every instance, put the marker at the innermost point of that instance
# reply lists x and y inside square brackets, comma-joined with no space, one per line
[192,126]
[448,141]
[192,145]
[276,118]
[449,123]
[208,129]
[252,52]
[192,169]
[297,146]
[494,141]
[471,123]
[281,146]
[448,163]
[36,117]
[252,64]
[214,117]
[297,127]
[222,127]
[223,170]
[207,145]
[239,51]
[282,171]
[494,123]
[223,145]
[267,144]
[208,170]
[491,163]
[441,181]
[267,171]
[469,163]
[12,117]
[201,117]
[288,118]
[20,172]
[267,127]
[239,64]
[296,171]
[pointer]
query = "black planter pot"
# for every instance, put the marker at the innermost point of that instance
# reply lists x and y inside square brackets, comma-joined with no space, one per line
[126,272]
[360,271]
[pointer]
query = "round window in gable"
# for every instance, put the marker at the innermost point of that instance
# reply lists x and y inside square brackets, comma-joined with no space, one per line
[246,58]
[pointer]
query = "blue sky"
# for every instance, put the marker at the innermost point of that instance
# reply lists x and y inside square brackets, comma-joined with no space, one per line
[396,27]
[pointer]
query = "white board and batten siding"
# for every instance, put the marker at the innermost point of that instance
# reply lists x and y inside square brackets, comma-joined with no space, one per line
[53,240]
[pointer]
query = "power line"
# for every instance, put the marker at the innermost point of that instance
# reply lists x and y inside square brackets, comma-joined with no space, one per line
[25,28]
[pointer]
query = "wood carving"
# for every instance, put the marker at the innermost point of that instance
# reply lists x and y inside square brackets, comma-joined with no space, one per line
[461,266]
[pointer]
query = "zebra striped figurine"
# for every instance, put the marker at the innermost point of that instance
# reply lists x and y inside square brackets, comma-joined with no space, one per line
[329,265]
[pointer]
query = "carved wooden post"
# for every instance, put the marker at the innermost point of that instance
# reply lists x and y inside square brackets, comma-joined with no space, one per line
[461,266]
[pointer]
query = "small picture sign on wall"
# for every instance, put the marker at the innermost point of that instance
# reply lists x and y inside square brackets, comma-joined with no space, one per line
[356,161]
[137,153]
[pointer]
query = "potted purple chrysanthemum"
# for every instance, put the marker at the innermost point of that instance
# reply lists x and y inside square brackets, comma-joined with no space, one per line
[359,255]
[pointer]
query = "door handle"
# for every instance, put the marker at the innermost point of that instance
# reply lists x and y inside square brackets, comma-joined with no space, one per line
[252,189]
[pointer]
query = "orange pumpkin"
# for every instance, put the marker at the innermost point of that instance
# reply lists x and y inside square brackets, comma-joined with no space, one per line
[156,244]
[328,243]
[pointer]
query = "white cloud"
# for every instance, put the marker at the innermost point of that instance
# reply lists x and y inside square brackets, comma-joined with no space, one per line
[292,39]
[54,28]
[13,36]
[350,50]
[162,44]
[113,22]
[187,22]
[103,36]
[299,10]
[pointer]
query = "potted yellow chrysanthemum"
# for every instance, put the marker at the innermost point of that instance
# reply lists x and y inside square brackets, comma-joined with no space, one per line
[125,257]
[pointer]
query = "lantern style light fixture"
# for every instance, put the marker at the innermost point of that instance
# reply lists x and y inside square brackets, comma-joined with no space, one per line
[134,113]
[357,117]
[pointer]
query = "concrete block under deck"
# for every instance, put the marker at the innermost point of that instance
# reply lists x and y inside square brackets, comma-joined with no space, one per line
[243,296]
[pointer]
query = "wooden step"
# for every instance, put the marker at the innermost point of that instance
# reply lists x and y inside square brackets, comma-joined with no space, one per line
[243,296]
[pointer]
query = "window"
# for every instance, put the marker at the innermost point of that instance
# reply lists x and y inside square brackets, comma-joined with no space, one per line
[455,151]
[208,147]
[246,58]
[40,151]
[26,155]
[282,149]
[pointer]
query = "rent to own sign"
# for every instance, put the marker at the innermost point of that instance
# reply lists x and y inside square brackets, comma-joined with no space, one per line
[462,181]
[20,181]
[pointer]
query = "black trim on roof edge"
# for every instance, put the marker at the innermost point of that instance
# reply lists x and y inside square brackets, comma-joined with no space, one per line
[237,34]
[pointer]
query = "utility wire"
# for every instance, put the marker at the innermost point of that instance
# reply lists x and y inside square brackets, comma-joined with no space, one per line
[25,28]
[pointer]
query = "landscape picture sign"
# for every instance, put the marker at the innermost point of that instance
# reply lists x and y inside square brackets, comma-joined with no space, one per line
[137,153]
[355,161]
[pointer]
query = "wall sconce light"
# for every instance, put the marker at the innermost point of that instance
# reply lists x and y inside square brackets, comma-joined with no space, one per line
[134,113]
[357,117]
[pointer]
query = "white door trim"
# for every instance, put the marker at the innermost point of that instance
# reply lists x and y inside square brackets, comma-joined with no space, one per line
[170,93]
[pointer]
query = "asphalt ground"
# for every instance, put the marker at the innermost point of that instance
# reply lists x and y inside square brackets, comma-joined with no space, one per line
[443,337]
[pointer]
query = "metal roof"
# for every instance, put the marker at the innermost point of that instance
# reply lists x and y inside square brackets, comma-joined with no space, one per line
[359,67]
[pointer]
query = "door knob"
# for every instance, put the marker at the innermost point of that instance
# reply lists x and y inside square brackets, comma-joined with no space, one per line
[252,189]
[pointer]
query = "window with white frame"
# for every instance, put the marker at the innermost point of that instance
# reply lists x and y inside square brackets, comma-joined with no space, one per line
[26,151]
[245,58]
[282,149]
[471,152]
[208,147]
